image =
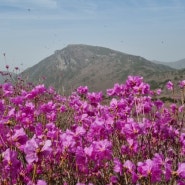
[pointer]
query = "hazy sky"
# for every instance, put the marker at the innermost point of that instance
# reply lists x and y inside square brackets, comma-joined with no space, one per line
[31,30]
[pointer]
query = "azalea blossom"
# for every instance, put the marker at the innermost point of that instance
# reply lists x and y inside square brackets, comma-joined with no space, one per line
[181,170]
[11,163]
[169,85]
[33,148]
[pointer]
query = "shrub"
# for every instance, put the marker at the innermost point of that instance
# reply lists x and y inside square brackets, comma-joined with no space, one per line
[46,138]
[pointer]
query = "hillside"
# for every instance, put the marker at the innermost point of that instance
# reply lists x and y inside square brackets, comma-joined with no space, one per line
[180,64]
[97,67]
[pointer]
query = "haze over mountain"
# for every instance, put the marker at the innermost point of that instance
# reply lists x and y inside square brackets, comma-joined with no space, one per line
[180,64]
[97,67]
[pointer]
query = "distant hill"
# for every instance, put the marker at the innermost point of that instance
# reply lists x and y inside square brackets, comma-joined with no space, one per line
[180,64]
[95,66]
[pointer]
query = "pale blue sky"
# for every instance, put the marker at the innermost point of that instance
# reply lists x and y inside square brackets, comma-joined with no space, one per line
[31,30]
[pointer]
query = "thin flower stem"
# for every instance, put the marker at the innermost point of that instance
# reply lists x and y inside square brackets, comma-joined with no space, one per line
[34,172]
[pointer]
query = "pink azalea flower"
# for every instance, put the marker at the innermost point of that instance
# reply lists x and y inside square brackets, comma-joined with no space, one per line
[8,89]
[18,100]
[94,98]
[131,170]
[33,148]
[88,150]
[181,170]
[2,106]
[150,168]
[11,163]
[129,165]
[41,182]
[19,137]
[131,128]
[169,85]
[113,179]
[134,81]
[102,149]
[182,84]
[164,163]
[30,150]
[80,131]
[118,167]
[82,90]
[158,91]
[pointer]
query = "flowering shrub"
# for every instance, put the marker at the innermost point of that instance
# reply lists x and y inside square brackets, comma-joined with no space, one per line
[46,138]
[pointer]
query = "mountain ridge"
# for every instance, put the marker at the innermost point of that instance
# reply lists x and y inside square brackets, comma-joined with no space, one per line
[97,67]
[179,64]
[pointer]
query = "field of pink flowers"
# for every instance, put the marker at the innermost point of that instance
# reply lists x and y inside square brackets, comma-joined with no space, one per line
[133,138]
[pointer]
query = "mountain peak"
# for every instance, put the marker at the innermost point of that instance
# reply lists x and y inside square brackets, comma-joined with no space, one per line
[95,66]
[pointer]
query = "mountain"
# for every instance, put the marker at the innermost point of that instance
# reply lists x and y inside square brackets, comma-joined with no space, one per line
[180,64]
[97,67]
